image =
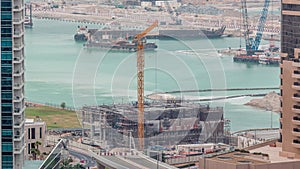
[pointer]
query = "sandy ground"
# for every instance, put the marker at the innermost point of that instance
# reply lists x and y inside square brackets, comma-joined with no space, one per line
[270,102]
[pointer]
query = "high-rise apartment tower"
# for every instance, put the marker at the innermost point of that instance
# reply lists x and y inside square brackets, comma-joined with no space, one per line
[12,84]
[290,79]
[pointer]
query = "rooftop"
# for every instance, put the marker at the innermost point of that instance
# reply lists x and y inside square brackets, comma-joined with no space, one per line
[273,153]
[262,155]
[34,122]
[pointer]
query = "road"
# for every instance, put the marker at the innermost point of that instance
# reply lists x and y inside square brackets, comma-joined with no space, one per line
[89,162]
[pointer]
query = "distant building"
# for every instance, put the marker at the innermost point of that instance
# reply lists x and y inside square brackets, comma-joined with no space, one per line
[35,130]
[12,84]
[290,79]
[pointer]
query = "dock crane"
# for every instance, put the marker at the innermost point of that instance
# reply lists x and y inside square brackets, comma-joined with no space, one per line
[253,44]
[139,41]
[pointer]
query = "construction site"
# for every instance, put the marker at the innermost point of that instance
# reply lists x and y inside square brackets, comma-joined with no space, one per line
[165,123]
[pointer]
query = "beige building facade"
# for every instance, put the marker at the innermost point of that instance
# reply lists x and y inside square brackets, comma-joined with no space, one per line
[290,79]
[35,130]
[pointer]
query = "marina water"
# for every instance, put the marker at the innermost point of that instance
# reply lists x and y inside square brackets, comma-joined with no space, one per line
[58,69]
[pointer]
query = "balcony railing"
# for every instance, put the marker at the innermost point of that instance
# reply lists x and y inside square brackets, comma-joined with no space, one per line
[18,123]
[18,98]
[18,20]
[18,85]
[18,7]
[19,58]
[18,72]
[18,137]
[18,33]
[17,110]
[18,46]
[19,149]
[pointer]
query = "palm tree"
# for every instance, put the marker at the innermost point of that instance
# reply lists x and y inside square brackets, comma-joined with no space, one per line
[35,153]
[36,144]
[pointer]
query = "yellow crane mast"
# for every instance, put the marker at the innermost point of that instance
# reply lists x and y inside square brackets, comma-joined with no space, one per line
[138,39]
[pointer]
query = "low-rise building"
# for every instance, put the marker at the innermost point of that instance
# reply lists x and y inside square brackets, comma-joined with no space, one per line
[35,131]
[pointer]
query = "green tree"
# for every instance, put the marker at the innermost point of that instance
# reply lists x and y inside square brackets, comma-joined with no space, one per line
[35,152]
[37,144]
[63,105]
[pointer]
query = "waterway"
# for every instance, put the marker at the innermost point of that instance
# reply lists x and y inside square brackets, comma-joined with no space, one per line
[60,70]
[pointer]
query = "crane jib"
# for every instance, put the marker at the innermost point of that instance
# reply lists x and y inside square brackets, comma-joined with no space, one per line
[253,44]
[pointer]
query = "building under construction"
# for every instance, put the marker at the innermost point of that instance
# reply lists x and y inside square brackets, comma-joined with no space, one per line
[166,124]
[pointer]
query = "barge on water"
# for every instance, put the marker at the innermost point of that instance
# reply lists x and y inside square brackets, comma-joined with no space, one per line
[172,33]
[258,59]
[120,45]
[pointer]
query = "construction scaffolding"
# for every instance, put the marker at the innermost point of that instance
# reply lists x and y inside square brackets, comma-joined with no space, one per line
[166,124]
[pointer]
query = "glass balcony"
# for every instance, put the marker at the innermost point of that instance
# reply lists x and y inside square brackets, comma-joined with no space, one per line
[18,33]
[18,7]
[18,98]
[18,46]
[18,86]
[18,110]
[19,149]
[18,20]
[18,123]
[18,59]
[18,72]
[18,137]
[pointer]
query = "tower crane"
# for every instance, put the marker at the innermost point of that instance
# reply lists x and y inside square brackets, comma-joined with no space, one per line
[253,44]
[139,41]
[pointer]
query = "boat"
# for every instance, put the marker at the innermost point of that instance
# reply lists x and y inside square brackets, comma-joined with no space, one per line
[82,34]
[118,45]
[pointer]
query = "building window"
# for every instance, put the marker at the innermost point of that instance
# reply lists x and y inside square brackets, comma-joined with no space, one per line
[41,132]
[6,133]
[32,133]
[7,147]
[28,149]
[28,133]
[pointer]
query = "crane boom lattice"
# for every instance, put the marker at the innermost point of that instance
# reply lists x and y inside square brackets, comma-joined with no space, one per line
[138,39]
